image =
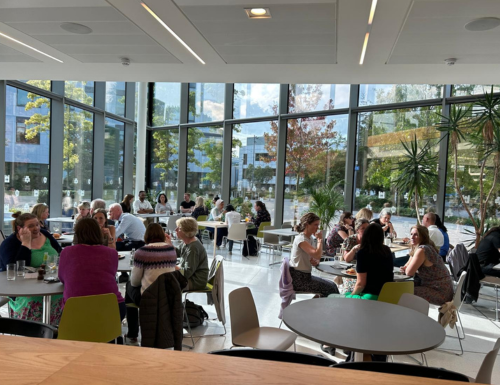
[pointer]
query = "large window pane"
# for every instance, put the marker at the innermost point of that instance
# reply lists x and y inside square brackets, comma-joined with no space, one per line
[204,169]
[380,150]
[315,156]
[43,84]
[317,97]
[166,104]
[206,102]
[371,94]
[80,91]
[253,169]
[113,161]
[473,89]
[254,100]
[27,152]
[115,98]
[77,158]
[165,163]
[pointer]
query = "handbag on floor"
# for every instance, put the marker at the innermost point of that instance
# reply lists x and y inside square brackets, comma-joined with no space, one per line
[250,247]
[196,315]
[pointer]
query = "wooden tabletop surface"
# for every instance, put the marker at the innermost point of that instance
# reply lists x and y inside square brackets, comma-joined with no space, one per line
[42,361]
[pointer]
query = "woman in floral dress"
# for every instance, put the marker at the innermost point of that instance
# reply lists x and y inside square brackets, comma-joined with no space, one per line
[339,232]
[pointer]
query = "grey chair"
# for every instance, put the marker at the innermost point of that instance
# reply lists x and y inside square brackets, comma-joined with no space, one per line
[274,242]
[484,373]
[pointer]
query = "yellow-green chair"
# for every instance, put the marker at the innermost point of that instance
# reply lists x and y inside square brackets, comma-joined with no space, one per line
[262,225]
[392,291]
[93,318]
[204,233]
[201,218]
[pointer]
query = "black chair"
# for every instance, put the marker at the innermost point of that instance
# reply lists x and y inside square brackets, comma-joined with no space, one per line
[404,370]
[24,328]
[275,355]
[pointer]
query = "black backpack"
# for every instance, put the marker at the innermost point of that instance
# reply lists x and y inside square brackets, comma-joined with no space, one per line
[250,247]
[196,315]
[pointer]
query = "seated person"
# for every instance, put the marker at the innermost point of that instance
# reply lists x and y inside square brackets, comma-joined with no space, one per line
[187,205]
[488,252]
[29,243]
[142,205]
[434,283]
[262,216]
[199,208]
[384,220]
[435,235]
[41,210]
[339,232]
[129,226]
[162,205]
[231,218]
[304,256]
[83,212]
[193,263]
[364,213]
[89,267]
[108,231]
[217,214]
[127,202]
[101,204]
[150,261]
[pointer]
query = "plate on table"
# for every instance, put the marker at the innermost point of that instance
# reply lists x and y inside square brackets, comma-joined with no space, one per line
[346,272]
[122,254]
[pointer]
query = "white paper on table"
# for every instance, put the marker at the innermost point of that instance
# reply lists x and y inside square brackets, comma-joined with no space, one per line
[30,275]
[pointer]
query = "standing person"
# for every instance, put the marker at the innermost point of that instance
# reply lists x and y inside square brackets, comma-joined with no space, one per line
[41,210]
[339,232]
[384,220]
[150,261]
[199,208]
[108,231]
[436,236]
[443,251]
[304,256]
[142,205]
[29,243]
[231,218]
[488,252]
[127,203]
[90,259]
[187,205]
[262,216]
[83,211]
[129,226]
[434,283]
[162,205]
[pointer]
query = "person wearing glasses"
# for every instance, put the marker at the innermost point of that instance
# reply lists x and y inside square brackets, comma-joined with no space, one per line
[339,232]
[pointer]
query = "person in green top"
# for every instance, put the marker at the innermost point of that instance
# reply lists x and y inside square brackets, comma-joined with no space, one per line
[30,243]
[193,256]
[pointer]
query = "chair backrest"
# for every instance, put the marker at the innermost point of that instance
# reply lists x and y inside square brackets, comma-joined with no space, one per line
[262,225]
[276,355]
[457,297]
[286,225]
[93,318]
[414,302]
[19,327]
[242,311]
[392,291]
[201,218]
[216,262]
[217,286]
[270,238]
[484,373]
[237,232]
[171,225]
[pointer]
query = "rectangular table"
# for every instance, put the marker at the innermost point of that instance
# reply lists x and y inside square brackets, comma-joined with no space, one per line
[54,362]
[215,225]
[153,215]
[283,232]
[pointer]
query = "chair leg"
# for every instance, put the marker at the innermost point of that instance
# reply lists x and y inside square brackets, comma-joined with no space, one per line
[496,304]
[294,347]
[461,327]
[188,325]
[281,323]
[460,342]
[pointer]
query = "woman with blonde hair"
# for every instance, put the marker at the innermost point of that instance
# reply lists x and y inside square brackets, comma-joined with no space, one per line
[41,210]
[365,214]
[199,208]
[304,256]
[434,283]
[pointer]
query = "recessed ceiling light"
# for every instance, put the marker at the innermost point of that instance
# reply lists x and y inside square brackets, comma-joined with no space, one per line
[258,13]
[483,24]
[30,47]
[171,32]
[79,29]
[368,30]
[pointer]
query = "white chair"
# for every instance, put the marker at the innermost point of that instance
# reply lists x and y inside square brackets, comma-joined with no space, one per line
[490,280]
[238,232]
[484,373]
[273,241]
[457,301]
[245,328]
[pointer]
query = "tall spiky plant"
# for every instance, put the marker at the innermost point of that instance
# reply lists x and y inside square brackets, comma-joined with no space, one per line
[325,202]
[416,170]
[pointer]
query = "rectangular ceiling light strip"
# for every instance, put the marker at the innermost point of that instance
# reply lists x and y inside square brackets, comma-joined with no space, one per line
[368,30]
[171,32]
[30,47]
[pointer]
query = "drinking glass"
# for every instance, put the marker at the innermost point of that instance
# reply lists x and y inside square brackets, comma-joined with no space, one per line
[336,262]
[51,263]
[56,229]
[11,272]
[20,268]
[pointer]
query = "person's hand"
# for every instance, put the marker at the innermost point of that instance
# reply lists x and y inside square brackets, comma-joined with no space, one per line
[177,267]
[406,240]
[314,261]
[403,269]
[25,235]
[349,228]
[319,235]
[105,232]
[168,239]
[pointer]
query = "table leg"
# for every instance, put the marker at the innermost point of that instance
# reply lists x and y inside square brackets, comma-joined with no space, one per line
[46,309]
[215,240]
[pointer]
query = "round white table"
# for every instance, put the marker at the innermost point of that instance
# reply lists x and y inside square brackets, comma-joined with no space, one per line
[29,287]
[364,326]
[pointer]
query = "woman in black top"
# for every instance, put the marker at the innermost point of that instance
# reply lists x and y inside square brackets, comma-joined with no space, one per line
[126,203]
[488,252]
[262,216]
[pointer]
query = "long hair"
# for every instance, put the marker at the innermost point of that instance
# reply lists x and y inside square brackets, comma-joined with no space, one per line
[440,224]
[306,219]
[126,200]
[88,232]
[493,229]
[261,205]
[199,202]
[424,238]
[103,212]
[364,213]
[38,210]
[343,216]
[373,241]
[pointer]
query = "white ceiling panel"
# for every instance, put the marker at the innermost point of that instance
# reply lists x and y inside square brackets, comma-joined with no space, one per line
[10,55]
[98,28]
[134,59]
[63,14]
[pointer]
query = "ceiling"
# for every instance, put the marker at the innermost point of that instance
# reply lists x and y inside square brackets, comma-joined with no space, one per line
[315,41]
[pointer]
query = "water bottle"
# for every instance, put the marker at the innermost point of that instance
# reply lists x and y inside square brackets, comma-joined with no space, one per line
[132,253]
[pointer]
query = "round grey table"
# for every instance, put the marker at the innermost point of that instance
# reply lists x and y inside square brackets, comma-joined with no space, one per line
[124,263]
[364,326]
[24,287]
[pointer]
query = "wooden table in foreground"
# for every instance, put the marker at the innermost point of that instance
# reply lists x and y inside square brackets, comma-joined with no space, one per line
[41,361]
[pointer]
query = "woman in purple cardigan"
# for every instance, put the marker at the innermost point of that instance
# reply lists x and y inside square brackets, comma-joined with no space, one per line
[89,268]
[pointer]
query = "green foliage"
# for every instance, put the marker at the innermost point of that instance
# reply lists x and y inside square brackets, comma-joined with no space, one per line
[325,202]
[242,206]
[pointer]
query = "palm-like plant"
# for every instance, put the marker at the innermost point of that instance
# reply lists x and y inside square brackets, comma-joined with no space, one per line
[325,202]
[416,170]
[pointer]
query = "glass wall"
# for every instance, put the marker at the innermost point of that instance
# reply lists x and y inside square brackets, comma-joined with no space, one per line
[204,157]
[473,89]
[42,84]
[206,102]
[253,169]
[254,100]
[372,94]
[77,158]
[114,132]
[115,98]
[166,104]
[315,156]
[164,165]
[317,97]
[27,152]
[80,91]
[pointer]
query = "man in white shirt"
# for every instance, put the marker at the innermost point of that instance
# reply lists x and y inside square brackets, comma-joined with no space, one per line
[141,205]
[130,226]
[231,218]
[436,236]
